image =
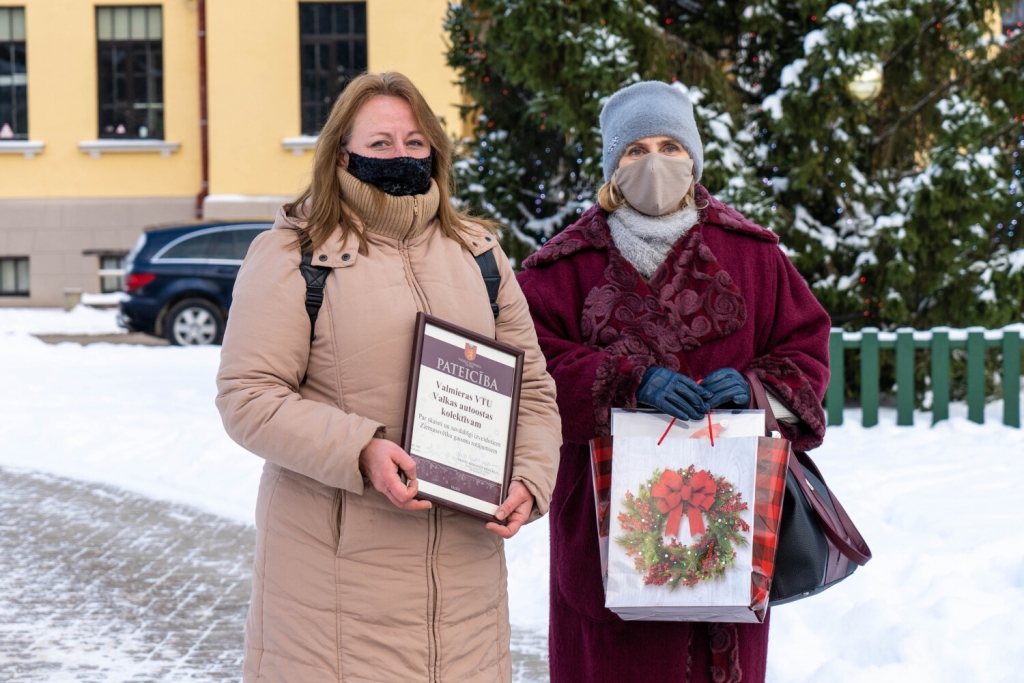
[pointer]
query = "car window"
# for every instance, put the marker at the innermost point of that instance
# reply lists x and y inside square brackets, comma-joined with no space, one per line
[238,245]
[199,246]
[227,244]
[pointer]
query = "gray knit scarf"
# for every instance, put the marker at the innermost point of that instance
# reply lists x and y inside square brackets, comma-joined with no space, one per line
[645,240]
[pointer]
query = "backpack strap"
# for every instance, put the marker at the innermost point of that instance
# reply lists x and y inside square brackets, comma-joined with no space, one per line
[316,280]
[492,278]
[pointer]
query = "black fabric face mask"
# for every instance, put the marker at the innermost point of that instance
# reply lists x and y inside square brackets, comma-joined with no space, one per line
[397,176]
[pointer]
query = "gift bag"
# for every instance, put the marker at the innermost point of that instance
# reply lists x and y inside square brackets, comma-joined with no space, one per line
[687,528]
[644,423]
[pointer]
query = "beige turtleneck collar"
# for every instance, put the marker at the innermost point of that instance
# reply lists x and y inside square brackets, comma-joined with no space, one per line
[400,218]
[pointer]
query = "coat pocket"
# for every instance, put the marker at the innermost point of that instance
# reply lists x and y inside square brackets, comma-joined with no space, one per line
[337,518]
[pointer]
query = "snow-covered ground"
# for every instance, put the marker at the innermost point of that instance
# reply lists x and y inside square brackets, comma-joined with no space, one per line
[943,600]
[81,320]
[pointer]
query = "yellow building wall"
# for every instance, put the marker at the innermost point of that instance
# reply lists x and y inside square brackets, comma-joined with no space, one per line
[253,57]
[253,95]
[63,109]
[253,84]
[408,36]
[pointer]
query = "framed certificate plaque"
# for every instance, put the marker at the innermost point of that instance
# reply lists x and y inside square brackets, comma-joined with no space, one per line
[461,415]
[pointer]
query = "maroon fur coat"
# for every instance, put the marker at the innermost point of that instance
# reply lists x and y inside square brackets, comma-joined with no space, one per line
[726,296]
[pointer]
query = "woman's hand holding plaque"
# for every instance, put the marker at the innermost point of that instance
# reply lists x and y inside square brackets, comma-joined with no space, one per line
[516,510]
[381,461]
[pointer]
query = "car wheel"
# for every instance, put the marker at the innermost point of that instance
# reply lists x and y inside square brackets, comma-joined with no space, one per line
[194,322]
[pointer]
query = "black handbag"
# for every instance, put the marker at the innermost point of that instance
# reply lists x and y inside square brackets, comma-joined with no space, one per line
[819,545]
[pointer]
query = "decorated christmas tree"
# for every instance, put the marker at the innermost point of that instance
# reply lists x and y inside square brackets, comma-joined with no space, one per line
[536,73]
[880,139]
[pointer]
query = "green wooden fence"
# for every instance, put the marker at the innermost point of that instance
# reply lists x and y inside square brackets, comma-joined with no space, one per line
[939,341]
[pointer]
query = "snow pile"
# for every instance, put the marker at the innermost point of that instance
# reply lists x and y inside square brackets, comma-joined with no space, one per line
[104,300]
[79,320]
[124,415]
[943,600]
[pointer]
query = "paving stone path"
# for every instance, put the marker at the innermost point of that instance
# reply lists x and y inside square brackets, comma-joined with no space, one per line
[97,584]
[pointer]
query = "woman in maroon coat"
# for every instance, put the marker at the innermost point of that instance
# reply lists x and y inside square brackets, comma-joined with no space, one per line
[659,286]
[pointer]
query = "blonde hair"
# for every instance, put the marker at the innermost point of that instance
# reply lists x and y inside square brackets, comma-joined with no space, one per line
[610,197]
[326,207]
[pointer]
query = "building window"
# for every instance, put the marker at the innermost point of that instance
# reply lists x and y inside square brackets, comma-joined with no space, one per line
[1014,17]
[111,274]
[129,45]
[13,75]
[14,276]
[332,40]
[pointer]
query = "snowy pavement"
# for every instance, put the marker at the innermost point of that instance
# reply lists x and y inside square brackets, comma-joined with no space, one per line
[97,584]
[943,600]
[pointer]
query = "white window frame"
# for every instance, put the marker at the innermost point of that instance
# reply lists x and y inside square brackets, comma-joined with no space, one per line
[28,269]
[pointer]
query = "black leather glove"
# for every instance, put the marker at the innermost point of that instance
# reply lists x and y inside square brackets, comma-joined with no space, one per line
[728,388]
[674,394]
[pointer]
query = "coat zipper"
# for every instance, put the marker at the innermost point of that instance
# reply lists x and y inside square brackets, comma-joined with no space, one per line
[415,214]
[434,516]
[435,636]
[421,302]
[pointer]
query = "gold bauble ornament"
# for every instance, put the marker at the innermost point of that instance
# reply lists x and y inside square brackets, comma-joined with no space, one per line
[866,85]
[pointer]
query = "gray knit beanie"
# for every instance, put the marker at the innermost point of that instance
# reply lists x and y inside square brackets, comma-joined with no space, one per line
[645,109]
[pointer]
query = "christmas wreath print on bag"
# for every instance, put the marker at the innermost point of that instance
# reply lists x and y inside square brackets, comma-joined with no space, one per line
[651,523]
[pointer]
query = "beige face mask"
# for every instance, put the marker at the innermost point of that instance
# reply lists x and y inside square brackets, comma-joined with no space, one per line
[656,184]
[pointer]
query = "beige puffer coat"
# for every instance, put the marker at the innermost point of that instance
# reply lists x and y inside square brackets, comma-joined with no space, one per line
[346,586]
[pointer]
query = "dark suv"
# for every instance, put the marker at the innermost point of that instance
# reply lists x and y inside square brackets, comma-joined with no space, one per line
[179,279]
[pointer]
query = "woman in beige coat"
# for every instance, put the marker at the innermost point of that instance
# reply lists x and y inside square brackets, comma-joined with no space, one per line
[354,579]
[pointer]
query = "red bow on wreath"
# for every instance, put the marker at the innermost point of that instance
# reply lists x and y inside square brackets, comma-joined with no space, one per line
[673,497]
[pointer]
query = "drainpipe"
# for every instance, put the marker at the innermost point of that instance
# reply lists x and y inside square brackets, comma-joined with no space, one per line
[204,142]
